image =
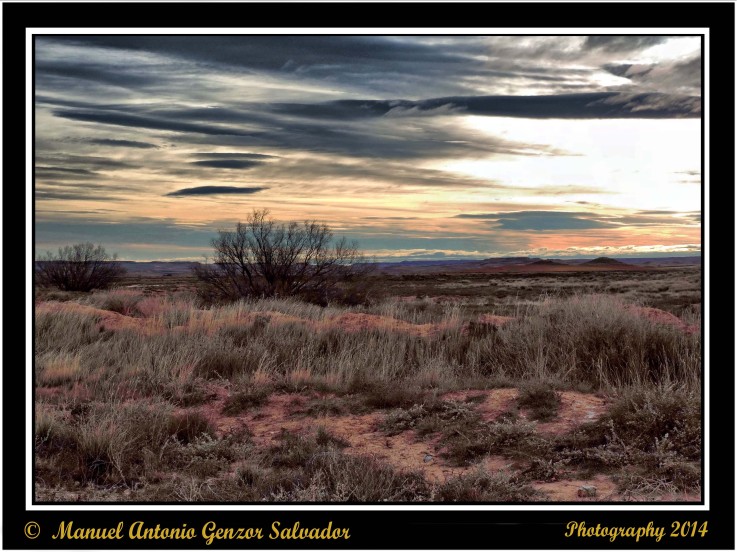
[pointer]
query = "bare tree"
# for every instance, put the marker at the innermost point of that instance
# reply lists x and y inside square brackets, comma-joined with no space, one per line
[262,258]
[78,267]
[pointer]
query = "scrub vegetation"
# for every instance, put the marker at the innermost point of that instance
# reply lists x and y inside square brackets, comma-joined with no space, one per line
[458,388]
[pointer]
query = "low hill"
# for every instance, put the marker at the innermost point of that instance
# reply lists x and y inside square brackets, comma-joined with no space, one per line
[604,261]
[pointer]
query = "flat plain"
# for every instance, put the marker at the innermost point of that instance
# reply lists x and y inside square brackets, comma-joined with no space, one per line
[500,384]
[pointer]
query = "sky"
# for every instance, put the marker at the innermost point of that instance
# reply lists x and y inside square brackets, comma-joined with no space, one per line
[417,147]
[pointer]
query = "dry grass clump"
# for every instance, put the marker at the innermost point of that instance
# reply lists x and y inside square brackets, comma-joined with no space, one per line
[511,437]
[245,400]
[580,340]
[541,399]
[313,468]
[109,443]
[431,416]
[657,430]
[481,486]
[592,339]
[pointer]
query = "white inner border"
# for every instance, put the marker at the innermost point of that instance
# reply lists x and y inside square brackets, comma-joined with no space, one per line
[706,177]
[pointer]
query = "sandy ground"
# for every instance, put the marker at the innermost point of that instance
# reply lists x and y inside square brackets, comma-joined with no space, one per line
[662,317]
[406,451]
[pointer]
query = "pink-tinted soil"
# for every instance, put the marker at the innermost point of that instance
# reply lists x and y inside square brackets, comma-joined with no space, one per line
[663,317]
[107,319]
[568,490]
[356,322]
[494,319]
[406,451]
[351,322]
[575,409]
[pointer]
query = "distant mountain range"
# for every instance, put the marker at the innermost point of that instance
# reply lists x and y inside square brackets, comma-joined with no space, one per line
[498,264]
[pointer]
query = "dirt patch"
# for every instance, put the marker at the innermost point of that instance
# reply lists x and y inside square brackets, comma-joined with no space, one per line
[575,409]
[404,452]
[203,321]
[47,393]
[353,322]
[108,320]
[662,317]
[567,490]
[284,412]
[496,401]
[78,392]
[494,319]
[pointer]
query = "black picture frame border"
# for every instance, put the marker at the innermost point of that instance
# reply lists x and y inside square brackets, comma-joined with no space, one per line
[456,527]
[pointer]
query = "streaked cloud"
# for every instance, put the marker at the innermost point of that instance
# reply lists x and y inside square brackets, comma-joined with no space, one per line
[416,146]
[214,190]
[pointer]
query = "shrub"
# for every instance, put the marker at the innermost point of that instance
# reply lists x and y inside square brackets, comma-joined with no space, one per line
[261,258]
[79,267]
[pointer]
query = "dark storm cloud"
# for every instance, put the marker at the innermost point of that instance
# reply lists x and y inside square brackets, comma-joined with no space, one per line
[540,220]
[234,155]
[339,135]
[628,69]
[570,220]
[657,212]
[382,66]
[621,44]
[372,63]
[385,66]
[121,143]
[139,121]
[215,190]
[562,106]
[96,72]
[227,163]
[289,53]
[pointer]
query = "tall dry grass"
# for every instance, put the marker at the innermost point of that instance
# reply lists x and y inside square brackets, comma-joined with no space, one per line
[590,340]
[114,370]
